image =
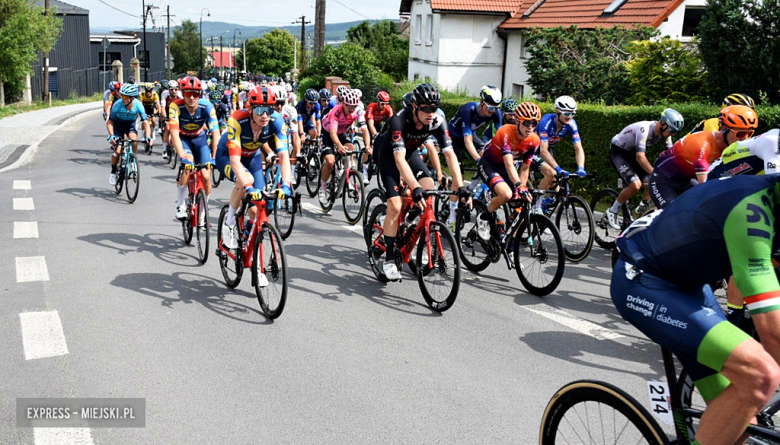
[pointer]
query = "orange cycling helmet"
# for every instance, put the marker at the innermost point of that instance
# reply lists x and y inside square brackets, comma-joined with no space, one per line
[738,118]
[261,95]
[528,111]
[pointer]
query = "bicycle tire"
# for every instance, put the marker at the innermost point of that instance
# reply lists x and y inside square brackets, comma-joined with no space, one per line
[284,215]
[202,232]
[186,223]
[576,396]
[216,178]
[224,260]
[276,267]
[132,177]
[353,198]
[377,195]
[120,176]
[440,236]
[578,250]
[604,234]
[472,248]
[375,253]
[332,187]
[298,172]
[312,170]
[174,159]
[544,236]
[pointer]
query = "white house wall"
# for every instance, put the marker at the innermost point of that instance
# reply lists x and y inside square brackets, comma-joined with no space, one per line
[673,25]
[516,75]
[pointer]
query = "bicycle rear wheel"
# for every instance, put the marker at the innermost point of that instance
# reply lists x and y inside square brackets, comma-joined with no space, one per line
[604,234]
[132,178]
[231,261]
[438,271]
[216,178]
[376,243]
[539,259]
[312,174]
[186,223]
[284,215]
[575,225]
[202,221]
[269,259]
[375,196]
[173,158]
[473,249]
[354,197]
[586,412]
[120,175]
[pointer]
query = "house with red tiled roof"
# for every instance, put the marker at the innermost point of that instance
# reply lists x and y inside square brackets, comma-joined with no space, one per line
[468,43]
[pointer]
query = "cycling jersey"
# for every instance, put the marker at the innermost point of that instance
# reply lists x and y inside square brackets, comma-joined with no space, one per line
[547,130]
[402,133]
[375,113]
[689,156]
[241,140]
[120,113]
[192,125]
[707,125]
[756,156]
[468,120]
[290,116]
[508,141]
[638,136]
[107,95]
[223,112]
[165,99]
[339,119]
[149,101]
[305,113]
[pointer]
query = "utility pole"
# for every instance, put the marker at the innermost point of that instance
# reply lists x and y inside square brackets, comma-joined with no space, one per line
[243,52]
[303,22]
[147,10]
[168,46]
[319,28]
[46,97]
[221,59]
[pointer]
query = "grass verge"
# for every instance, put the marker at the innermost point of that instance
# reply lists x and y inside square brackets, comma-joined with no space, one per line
[11,110]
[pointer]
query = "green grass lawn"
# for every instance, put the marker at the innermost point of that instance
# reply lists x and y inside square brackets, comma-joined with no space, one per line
[11,110]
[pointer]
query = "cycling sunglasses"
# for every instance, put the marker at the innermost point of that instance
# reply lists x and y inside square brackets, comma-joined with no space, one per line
[490,107]
[568,113]
[311,102]
[383,104]
[743,134]
[530,123]
[191,94]
[425,109]
[263,109]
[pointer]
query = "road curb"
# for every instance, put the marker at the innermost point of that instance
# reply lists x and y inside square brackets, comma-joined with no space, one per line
[30,150]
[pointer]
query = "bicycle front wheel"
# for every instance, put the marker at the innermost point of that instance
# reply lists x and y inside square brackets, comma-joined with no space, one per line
[374,198]
[132,178]
[586,412]
[312,175]
[539,258]
[186,223]
[216,177]
[604,234]
[269,260]
[284,215]
[202,215]
[473,249]
[120,176]
[438,271]
[354,197]
[575,224]
[231,261]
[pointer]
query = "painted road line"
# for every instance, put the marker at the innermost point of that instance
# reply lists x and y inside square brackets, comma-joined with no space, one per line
[22,185]
[63,436]
[311,207]
[42,335]
[356,228]
[31,268]
[26,229]
[572,322]
[24,204]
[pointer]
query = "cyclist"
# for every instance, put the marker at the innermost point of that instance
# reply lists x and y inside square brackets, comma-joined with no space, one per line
[110,96]
[756,156]
[221,108]
[378,112]
[243,89]
[334,138]
[289,117]
[189,120]
[309,114]
[497,165]
[634,170]
[659,285]
[151,102]
[508,107]
[470,118]
[551,129]
[337,99]
[690,157]
[731,99]
[325,96]
[121,124]
[292,98]
[398,158]
[166,100]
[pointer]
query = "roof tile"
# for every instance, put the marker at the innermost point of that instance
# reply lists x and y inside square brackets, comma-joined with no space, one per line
[506,6]
[223,59]
[590,14]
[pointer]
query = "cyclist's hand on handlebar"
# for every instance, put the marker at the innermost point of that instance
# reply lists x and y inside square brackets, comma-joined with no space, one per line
[561,172]
[284,191]
[149,141]
[463,192]
[269,157]
[211,163]
[522,192]
[342,149]
[418,197]
[581,172]
[253,193]
[112,139]
[187,164]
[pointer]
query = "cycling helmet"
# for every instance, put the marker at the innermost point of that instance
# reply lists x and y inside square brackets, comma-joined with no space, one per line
[528,111]
[490,95]
[566,104]
[738,99]
[311,95]
[738,117]
[408,99]
[173,84]
[129,89]
[164,84]
[213,80]
[288,88]
[508,105]
[325,93]
[215,95]
[350,98]
[112,85]
[340,91]
[673,119]
[131,79]
[148,86]
[426,94]
[358,92]
[190,83]
[261,95]
[281,94]
[220,87]
[382,96]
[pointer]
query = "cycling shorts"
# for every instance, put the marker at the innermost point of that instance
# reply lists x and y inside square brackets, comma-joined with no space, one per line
[121,128]
[329,146]
[391,177]
[150,110]
[538,160]
[459,146]
[308,126]
[198,147]
[690,324]
[664,190]
[492,174]
[626,165]
[254,165]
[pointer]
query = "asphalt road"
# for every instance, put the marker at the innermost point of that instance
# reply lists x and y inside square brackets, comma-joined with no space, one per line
[350,360]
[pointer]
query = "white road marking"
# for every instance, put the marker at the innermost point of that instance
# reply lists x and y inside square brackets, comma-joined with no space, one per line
[572,322]
[22,185]
[31,268]
[311,207]
[42,335]
[63,436]
[24,204]
[26,229]
[356,228]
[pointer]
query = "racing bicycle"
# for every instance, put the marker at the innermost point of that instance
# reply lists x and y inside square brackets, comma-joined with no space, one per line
[128,173]
[197,219]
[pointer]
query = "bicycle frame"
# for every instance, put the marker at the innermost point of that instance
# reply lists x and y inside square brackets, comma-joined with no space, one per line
[195,184]
[261,217]
[426,218]
[341,180]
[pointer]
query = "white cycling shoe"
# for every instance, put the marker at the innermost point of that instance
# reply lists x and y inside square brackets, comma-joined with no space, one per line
[612,219]
[112,179]
[391,271]
[229,237]
[181,212]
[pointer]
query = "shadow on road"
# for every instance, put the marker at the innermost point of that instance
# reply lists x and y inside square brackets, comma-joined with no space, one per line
[95,192]
[164,247]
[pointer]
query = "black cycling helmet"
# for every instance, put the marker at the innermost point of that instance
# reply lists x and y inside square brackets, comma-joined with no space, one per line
[311,95]
[408,99]
[215,95]
[426,94]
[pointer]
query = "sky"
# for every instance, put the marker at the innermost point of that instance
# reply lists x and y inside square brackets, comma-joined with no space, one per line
[243,12]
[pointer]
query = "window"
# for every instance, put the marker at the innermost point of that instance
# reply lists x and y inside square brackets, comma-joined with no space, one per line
[143,58]
[523,40]
[429,28]
[691,21]
[518,90]
[417,29]
[614,6]
[105,65]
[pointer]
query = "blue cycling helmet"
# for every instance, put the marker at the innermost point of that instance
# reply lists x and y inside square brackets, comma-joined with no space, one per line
[129,89]
[215,95]
[325,93]
[311,95]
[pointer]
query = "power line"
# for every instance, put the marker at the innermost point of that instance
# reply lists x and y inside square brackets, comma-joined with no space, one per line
[123,12]
[342,4]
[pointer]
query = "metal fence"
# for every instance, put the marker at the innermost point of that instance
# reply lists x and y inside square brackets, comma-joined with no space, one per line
[67,82]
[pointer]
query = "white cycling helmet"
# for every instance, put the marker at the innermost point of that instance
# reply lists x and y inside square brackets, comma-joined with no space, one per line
[491,95]
[340,91]
[350,98]
[358,92]
[173,84]
[288,88]
[566,104]
[281,93]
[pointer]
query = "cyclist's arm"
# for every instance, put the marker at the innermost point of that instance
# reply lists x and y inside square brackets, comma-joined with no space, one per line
[110,126]
[173,128]
[366,138]
[371,126]
[468,141]
[641,159]
[318,124]
[579,154]
[242,174]
[544,151]
[433,158]
[334,136]
[405,170]
[509,164]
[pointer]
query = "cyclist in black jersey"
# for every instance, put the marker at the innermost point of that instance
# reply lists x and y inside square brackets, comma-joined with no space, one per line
[398,157]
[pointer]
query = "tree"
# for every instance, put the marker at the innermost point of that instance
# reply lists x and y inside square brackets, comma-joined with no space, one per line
[186,48]
[740,46]
[665,71]
[271,54]
[583,63]
[349,61]
[24,31]
[384,41]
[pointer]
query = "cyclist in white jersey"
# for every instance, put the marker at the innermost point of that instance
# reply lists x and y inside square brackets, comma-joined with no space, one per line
[759,155]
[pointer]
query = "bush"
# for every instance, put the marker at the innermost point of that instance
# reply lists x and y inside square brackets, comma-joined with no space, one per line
[665,71]
[349,61]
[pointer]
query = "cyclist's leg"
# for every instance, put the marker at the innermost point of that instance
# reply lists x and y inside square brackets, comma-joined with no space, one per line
[328,157]
[497,178]
[628,172]
[202,155]
[421,172]
[132,134]
[181,184]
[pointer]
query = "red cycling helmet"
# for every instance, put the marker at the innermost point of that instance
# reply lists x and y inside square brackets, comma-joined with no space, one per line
[382,96]
[190,83]
[261,95]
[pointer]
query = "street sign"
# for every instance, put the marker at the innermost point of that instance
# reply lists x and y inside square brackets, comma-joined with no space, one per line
[169,67]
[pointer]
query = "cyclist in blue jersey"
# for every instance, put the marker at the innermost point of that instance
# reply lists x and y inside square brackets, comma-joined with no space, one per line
[221,108]
[121,124]
[470,118]
[309,114]
[324,102]
[659,284]
[552,128]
